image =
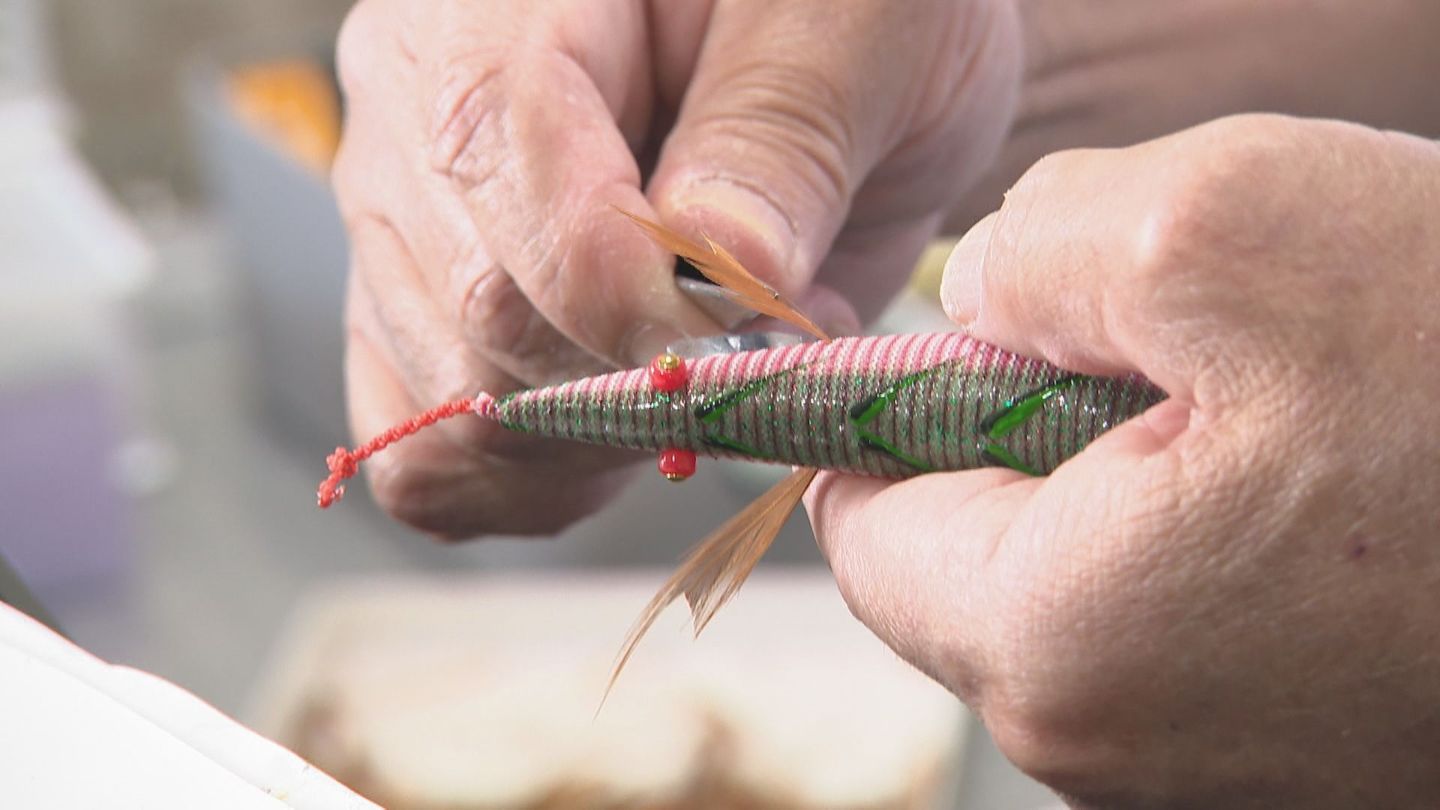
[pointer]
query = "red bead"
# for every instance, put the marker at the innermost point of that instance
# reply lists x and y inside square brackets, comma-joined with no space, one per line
[676,464]
[667,373]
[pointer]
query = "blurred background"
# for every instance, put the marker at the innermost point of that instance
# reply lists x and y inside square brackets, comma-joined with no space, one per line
[171,266]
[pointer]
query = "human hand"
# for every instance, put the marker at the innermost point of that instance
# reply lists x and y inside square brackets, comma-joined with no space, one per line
[1231,600]
[1117,72]
[484,146]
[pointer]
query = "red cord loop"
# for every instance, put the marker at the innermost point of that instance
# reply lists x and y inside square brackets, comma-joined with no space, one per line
[345,463]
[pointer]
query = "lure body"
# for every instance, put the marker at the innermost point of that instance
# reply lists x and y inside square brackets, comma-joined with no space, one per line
[891,406]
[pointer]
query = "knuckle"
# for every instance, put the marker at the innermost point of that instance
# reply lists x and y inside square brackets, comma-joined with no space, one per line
[1173,230]
[414,497]
[912,627]
[1011,237]
[468,101]
[1024,739]
[798,118]
[505,328]
[1044,677]
[497,315]
[365,227]
[1048,730]
[852,580]
[1221,197]
[1084,771]
[1224,201]
[1042,174]
[356,45]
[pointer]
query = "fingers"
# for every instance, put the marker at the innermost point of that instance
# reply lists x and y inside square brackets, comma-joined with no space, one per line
[791,109]
[483,145]
[383,168]
[454,490]
[462,477]
[391,309]
[913,559]
[1156,258]
[465,477]
[1037,276]
[530,144]
[954,571]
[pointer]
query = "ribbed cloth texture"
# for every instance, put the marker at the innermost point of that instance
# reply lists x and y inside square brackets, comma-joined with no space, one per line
[890,406]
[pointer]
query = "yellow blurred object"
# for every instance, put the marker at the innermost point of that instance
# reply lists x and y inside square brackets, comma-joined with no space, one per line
[293,103]
[931,267]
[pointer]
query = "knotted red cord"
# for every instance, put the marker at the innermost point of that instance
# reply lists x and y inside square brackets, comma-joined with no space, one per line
[345,463]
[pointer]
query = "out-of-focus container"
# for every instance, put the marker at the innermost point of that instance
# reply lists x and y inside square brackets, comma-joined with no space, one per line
[482,694]
[288,244]
[69,263]
[25,64]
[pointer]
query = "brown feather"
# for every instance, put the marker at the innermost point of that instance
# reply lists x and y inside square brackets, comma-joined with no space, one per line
[719,565]
[721,267]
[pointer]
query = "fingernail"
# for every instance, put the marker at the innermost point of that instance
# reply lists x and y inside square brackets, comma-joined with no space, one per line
[964,273]
[745,210]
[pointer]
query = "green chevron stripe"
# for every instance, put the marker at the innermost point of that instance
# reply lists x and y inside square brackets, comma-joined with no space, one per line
[1017,411]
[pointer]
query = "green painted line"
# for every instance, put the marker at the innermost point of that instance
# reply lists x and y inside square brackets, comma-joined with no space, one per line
[713,411]
[873,442]
[996,454]
[1016,412]
[866,410]
[736,447]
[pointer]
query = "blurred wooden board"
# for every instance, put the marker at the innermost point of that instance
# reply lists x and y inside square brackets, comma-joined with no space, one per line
[482,693]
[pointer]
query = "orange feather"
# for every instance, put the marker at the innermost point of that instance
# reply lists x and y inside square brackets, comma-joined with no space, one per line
[720,564]
[720,267]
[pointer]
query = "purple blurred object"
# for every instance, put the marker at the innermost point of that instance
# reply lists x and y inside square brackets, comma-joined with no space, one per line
[69,264]
[64,519]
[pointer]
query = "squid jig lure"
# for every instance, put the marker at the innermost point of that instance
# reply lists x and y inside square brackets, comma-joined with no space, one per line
[891,406]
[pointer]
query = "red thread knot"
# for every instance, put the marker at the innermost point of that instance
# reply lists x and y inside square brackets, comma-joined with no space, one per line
[345,464]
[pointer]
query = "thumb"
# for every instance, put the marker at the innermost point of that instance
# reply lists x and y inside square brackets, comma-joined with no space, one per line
[944,567]
[790,109]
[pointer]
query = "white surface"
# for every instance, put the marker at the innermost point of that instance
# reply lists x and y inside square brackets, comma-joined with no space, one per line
[24,58]
[80,733]
[68,257]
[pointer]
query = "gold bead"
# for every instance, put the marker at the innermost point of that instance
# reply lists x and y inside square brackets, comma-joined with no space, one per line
[667,362]
[676,477]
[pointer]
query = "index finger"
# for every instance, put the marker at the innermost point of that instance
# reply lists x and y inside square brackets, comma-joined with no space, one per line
[1035,276]
[946,568]
[530,141]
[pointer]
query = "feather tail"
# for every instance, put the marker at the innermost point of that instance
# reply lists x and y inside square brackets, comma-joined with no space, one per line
[721,267]
[719,565]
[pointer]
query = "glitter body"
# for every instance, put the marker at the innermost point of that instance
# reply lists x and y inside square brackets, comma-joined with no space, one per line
[891,406]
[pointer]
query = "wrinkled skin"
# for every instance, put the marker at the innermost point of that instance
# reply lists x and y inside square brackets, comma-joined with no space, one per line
[1228,603]
[1231,601]
[485,143]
